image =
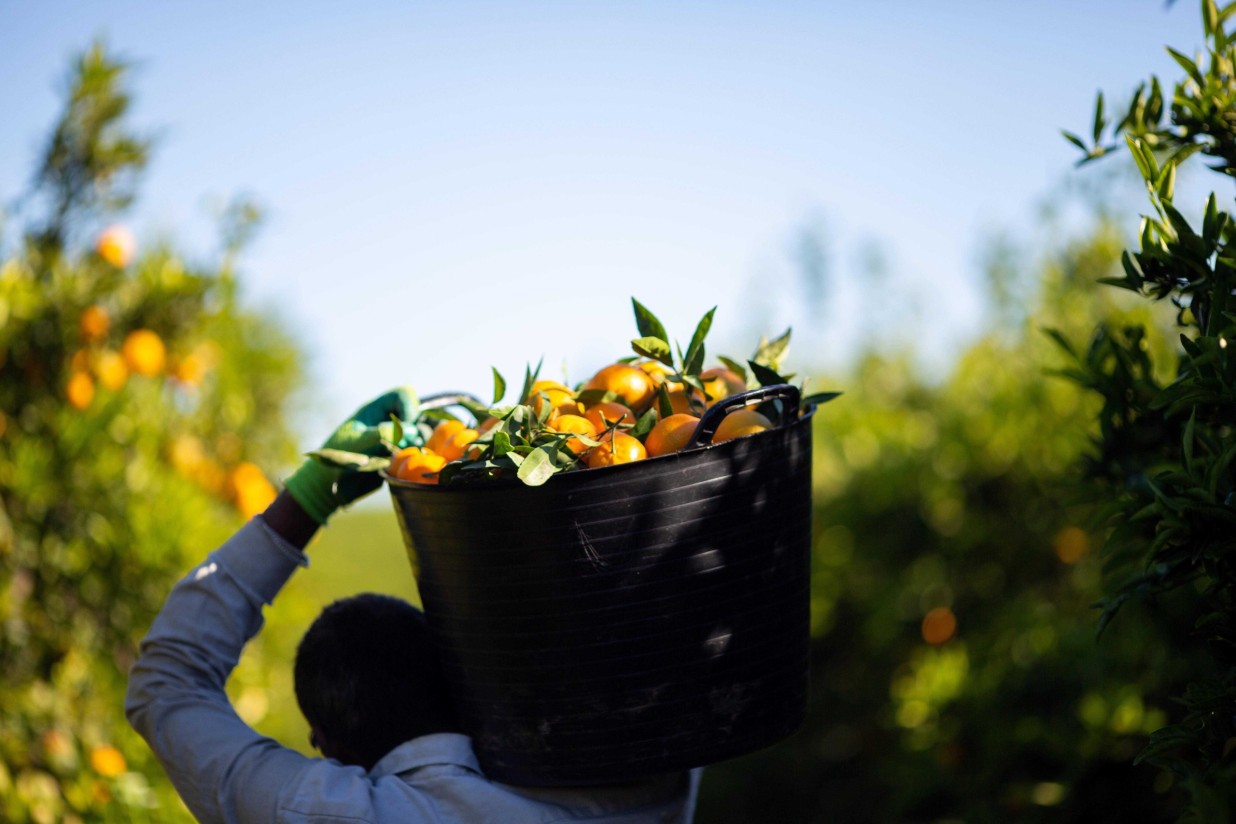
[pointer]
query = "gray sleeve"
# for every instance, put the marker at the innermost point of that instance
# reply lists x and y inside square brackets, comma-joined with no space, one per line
[222,768]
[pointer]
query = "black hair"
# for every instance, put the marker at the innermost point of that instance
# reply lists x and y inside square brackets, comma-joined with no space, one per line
[367,677]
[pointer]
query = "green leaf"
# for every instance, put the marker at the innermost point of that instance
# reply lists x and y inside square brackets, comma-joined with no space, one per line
[396,429]
[765,376]
[819,398]
[655,348]
[354,461]
[770,352]
[1210,17]
[530,376]
[734,366]
[538,466]
[1099,120]
[1075,140]
[664,404]
[499,386]
[502,443]
[1188,65]
[648,324]
[591,397]
[645,424]
[1135,149]
[694,361]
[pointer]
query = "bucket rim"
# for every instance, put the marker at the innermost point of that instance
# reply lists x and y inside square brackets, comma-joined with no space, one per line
[804,419]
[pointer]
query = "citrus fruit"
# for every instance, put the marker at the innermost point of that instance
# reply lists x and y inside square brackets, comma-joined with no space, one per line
[456,444]
[80,390]
[442,433]
[486,425]
[632,385]
[721,383]
[739,424]
[680,400]
[670,435]
[116,245]
[660,374]
[111,370]
[575,425]
[560,398]
[93,323]
[615,448]
[603,415]
[144,352]
[416,465]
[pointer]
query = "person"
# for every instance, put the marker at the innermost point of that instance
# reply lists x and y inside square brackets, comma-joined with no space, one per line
[365,678]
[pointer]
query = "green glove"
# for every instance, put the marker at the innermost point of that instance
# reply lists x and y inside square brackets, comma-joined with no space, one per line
[321,489]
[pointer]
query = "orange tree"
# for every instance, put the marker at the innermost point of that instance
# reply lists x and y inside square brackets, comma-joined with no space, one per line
[955,673]
[138,402]
[1163,470]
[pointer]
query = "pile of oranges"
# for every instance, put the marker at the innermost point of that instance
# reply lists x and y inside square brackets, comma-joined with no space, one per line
[625,412]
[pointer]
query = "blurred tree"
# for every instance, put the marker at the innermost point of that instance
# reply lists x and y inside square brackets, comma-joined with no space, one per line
[138,399]
[955,674]
[1163,471]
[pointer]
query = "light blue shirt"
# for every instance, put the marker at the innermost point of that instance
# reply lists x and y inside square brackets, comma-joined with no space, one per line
[226,771]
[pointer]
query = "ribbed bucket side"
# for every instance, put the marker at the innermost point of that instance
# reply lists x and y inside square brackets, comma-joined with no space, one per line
[623,622]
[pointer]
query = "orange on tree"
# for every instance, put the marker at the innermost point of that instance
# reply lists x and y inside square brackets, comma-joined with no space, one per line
[116,245]
[93,324]
[144,352]
[111,370]
[721,383]
[615,448]
[670,435]
[603,415]
[574,425]
[560,398]
[633,386]
[79,390]
[739,424]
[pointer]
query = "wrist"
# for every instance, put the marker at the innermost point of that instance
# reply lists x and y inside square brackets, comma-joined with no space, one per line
[312,487]
[290,521]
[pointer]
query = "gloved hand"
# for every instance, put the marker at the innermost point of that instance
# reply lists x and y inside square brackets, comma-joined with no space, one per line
[321,489]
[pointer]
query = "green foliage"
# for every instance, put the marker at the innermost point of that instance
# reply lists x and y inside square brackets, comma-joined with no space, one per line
[138,398]
[938,517]
[1163,471]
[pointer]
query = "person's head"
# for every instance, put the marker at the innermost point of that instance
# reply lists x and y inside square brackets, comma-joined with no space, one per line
[368,679]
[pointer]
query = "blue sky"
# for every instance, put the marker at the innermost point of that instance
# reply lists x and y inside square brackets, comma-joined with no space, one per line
[452,186]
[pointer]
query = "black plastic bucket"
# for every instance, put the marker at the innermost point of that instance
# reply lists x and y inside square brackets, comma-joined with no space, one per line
[627,621]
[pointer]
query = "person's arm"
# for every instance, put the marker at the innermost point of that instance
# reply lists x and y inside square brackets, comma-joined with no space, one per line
[223,769]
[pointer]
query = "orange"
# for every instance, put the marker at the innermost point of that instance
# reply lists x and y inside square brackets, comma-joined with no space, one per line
[721,383]
[604,414]
[80,390]
[615,448]
[420,465]
[679,400]
[939,625]
[144,352]
[632,385]
[108,761]
[190,370]
[93,324]
[575,425]
[486,425]
[660,374]
[456,444]
[442,433]
[671,434]
[252,492]
[116,245]
[111,370]
[739,424]
[560,398]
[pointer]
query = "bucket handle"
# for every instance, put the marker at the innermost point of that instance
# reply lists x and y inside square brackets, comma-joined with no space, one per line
[788,394]
[440,400]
